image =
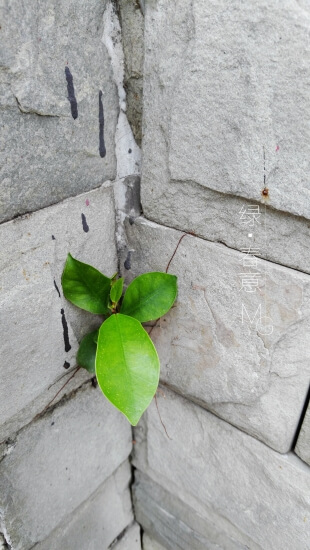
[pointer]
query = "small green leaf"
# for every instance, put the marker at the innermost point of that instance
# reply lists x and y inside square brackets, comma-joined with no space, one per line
[150,296]
[127,365]
[116,290]
[86,356]
[85,286]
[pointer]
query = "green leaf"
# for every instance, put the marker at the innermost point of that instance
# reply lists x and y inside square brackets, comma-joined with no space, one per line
[86,356]
[85,286]
[127,365]
[116,290]
[150,296]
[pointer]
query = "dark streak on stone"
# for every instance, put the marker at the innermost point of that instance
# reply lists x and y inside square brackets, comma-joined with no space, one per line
[94,382]
[84,224]
[65,330]
[71,94]
[4,544]
[303,414]
[55,285]
[66,365]
[102,149]
[127,262]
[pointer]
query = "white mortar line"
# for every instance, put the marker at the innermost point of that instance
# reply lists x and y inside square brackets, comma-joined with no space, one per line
[127,163]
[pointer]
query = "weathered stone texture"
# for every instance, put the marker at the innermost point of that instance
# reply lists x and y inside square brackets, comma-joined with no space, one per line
[33,310]
[279,237]
[58,462]
[223,82]
[233,486]
[214,349]
[99,520]
[177,524]
[3,545]
[151,544]
[131,540]
[46,155]
[303,442]
[132,23]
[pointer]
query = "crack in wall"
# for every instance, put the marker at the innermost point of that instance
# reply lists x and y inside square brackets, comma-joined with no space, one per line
[131,20]
[10,442]
[128,163]
[32,111]
[199,236]
[302,417]
[5,541]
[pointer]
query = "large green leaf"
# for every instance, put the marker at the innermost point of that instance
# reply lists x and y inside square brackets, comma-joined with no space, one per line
[85,286]
[116,290]
[127,365]
[150,296]
[86,356]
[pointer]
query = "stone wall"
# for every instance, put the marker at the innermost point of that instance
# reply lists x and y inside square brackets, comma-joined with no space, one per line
[226,204]
[65,474]
[221,459]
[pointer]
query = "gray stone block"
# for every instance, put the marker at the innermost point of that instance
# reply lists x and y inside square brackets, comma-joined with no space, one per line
[46,154]
[34,311]
[243,489]
[151,544]
[176,524]
[215,346]
[303,442]
[280,237]
[99,520]
[131,540]
[132,24]
[58,462]
[3,545]
[221,84]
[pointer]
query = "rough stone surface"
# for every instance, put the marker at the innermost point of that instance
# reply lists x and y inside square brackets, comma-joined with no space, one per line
[222,83]
[176,524]
[99,520]
[3,545]
[132,23]
[214,344]
[151,544]
[245,489]
[58,462]
[280,237]
[303,442]
[127,151]
[46,154]
[127,204]
[131,540]
[33,254]
[50,396]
